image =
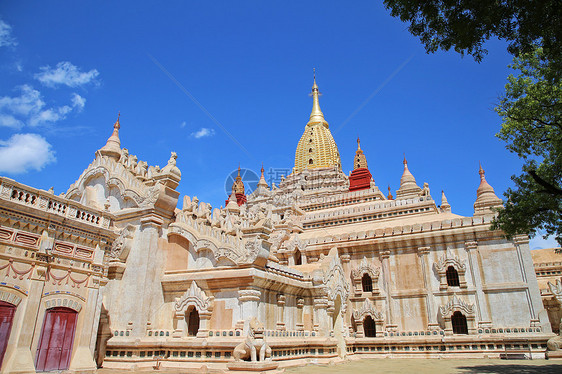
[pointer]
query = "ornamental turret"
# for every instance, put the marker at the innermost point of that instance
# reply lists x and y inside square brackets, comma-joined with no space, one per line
[408,187]
[360,178]
[112,147]
[486,198]
[238,190]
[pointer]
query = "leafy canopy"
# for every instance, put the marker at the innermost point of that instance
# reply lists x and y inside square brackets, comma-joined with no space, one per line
[531,109]
[465,25]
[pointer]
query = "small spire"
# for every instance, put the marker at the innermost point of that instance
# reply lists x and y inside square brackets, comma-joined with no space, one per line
[486,197]
[238,185]
[360,159]
[112,147]
[408,186]
[262,182]
[389,197]
[445,206]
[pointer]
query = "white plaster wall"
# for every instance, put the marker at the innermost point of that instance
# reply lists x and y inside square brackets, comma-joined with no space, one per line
[509,309]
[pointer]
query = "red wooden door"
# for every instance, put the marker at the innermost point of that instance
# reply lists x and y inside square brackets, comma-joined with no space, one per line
[6,318]
[57,336]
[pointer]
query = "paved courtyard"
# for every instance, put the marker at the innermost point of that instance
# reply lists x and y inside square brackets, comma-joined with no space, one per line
[421,366]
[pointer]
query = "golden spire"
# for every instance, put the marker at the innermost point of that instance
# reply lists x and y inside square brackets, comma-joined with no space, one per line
[316,116]
[238,185]
[316,148]
[389,197]
[360,159]
[112,147]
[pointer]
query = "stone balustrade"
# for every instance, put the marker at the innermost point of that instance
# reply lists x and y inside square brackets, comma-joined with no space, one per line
[47,202]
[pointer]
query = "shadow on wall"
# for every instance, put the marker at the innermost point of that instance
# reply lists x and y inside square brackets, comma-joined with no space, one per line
[509,369]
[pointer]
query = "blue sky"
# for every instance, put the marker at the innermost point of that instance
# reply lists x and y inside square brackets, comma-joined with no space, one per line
[67,68]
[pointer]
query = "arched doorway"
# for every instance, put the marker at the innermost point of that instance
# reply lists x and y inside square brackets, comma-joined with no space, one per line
[452,277]
[192,317]
[7,312]
[57,336]
[298,257]
[458,321]
[367,283]
[369,327]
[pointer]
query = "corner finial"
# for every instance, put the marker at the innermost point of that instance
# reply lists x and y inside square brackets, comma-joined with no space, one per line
[117,124]
[481,170]
[314,85]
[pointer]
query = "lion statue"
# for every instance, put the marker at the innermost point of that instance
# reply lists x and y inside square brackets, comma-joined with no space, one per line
[254,344]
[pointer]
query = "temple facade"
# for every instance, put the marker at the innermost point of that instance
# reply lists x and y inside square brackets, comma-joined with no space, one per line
[321,267]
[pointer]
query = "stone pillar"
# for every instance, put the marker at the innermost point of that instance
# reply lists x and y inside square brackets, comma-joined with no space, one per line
[249,300]
[481,306]
[82,360]
[432,323]
[300,311]
[320,315]
[281,299]
[385,264]
[20,360]
[331,318]
[205,322]
[360,328]
[180,324]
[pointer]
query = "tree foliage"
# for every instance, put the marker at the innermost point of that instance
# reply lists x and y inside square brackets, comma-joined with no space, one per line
[465,25]
[531,109]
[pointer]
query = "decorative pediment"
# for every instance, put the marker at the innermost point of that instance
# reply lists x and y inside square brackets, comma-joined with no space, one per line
[365,268]
[367,309]
[335,281]
[194,296]
[457,304]
[449,260]
[115,175]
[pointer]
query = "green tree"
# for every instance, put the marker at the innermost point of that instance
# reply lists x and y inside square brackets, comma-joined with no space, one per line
[465,25]
[531,109]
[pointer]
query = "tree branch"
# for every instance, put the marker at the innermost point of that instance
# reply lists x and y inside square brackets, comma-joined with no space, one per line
[550,188]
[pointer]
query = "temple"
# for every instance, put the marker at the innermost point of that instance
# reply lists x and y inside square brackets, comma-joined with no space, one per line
[122,272]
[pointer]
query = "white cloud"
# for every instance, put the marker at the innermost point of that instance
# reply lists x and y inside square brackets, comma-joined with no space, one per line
[24,152]
[29,108]
[539,243]
[78,101]
[183,124]
[65,74]
[6,38]
[203,132]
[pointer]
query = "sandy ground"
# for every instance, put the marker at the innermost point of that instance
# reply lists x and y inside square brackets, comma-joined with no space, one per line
[444,366]
[417,366]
